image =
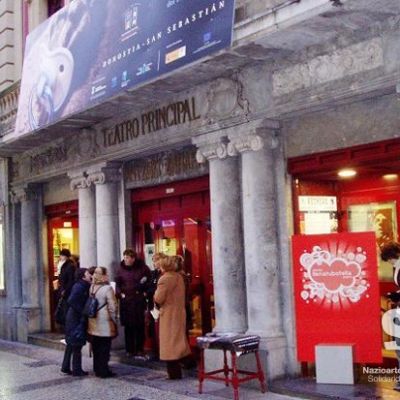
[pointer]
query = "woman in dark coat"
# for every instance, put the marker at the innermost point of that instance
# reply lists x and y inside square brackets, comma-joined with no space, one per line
[132,280]
[76,324]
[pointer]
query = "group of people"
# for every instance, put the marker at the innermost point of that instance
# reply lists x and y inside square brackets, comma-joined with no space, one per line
[138,289]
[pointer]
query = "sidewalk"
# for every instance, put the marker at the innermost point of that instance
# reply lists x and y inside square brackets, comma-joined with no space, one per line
[32,372]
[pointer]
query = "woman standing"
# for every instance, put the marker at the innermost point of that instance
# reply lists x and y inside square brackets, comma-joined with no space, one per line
[103,328]
[170,297]
[154,327]
[76,324]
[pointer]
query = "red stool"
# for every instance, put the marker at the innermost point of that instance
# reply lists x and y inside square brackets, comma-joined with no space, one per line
[237,345]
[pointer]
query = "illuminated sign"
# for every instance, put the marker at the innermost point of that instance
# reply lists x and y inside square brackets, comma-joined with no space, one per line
[91,50]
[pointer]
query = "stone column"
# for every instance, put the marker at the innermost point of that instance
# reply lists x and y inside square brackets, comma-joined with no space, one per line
[87,219]
[29,312]
[260,232]
[227,239]
[106,177]
[30,245]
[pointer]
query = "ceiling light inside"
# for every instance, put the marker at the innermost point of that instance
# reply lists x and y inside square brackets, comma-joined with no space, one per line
[347,173]
[390,177]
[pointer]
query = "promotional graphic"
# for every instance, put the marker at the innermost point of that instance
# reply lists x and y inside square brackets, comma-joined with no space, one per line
[91,50]
[337,294]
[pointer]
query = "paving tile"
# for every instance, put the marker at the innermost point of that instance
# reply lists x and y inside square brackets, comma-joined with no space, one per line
[33,372]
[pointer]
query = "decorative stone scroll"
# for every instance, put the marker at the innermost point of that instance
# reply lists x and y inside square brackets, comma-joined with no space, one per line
[21,194]
[245,143]
[78,180]
[210,151]
[103,175]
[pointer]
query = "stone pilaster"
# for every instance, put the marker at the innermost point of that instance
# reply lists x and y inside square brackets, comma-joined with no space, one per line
[28,197]
[106,178]
[87,218]
[260,232]
[227,243]
[28,314]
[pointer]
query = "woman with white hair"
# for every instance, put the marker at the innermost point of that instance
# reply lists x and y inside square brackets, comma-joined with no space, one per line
[103,327]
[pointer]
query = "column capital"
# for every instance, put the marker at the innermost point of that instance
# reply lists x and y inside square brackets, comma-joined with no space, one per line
[104,173]
[20,194]
[78,180]
[253,141]
[211,151]
[210,146]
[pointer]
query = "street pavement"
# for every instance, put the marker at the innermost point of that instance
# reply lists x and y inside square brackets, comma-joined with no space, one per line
[30,372]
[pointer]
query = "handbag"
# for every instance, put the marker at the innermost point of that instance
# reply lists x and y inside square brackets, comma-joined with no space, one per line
[61,311]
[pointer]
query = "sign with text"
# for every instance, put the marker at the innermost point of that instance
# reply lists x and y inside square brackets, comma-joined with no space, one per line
[91,50]
[337,294]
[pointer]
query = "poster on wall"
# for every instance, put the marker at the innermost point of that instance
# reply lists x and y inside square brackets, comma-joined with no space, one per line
[318,214]
[380,218]
[337,294]
[91,50]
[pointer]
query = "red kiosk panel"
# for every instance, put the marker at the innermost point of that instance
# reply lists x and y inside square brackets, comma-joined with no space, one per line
[337,294]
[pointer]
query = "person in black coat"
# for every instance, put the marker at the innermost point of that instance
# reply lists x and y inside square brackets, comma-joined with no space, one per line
[76,324]
[66,278]
[132,280]
[152,287]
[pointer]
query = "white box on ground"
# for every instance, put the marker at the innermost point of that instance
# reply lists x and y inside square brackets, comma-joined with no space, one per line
[334,363]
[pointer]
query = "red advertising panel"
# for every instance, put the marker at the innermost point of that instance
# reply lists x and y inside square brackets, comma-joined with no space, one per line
[337,294]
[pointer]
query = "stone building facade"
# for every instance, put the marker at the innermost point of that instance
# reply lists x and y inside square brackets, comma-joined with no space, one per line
[301,78]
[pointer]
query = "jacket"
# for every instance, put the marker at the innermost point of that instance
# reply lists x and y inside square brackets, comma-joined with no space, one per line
[131,292]
[66,278]
[75,322]
[170,296]
[104,324]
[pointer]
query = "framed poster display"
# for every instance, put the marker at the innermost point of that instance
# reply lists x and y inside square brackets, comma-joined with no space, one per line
[380,218]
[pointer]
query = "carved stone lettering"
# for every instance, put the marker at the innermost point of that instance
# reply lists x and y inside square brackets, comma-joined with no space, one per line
[165,166]
[351,60]
[51,156]
[178,113]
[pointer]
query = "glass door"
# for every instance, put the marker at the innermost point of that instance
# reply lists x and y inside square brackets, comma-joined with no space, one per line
[381,218]
[63,233]
[180,225]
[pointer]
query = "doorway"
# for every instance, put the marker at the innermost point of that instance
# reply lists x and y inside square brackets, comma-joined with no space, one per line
[175,219]
[62,233]
[353,190]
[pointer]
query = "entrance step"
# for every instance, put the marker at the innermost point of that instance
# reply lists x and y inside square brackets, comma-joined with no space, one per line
[47,339]
[121,357]
[53,341]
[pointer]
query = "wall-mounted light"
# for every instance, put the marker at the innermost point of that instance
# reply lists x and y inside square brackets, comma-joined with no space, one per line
[390,177]
[347,173]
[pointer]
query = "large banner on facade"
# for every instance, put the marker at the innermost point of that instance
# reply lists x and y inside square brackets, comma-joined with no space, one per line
[337,294]
[91,50]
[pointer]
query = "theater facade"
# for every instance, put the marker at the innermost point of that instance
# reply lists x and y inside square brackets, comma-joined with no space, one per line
[209,161]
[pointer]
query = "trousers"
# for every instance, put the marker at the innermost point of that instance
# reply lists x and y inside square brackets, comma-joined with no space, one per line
[74,352]
[101,347]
